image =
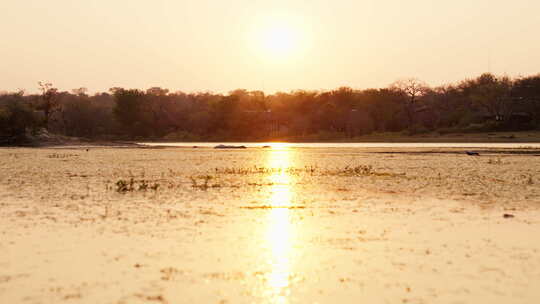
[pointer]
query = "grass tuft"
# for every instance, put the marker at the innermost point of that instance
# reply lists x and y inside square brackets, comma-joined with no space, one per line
[123,186]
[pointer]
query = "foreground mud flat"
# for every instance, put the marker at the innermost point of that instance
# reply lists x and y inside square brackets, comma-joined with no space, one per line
[112,225]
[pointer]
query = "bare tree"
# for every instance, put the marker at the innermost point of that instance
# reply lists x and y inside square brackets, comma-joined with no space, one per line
[412,89]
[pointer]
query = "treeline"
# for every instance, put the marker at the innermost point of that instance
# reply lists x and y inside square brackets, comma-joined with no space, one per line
[485,103]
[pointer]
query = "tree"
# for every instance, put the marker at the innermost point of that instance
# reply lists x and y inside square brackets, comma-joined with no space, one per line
[384,107]
[412,89]
[527,91]
[493,95]
[16,118]
[82,91]
[129,111]
[49,102]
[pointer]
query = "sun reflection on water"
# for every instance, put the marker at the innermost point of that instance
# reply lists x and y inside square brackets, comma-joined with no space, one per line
[280,230]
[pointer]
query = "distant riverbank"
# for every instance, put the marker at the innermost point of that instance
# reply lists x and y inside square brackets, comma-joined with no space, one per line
[488,137]
[51,140]
[495,137]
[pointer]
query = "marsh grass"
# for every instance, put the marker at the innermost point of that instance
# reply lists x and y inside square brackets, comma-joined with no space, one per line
[132,185]
[202,182]
[211,180]
[272,207]
[529,179]
[497,161]
[265,170]
[358,170]
[61,155]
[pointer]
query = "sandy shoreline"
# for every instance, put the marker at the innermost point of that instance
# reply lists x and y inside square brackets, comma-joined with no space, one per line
[268,226]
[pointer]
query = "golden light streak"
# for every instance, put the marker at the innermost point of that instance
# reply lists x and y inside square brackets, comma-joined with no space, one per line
[280,230]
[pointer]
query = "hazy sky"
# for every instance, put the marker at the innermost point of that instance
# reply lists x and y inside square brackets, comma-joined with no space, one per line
[195,45]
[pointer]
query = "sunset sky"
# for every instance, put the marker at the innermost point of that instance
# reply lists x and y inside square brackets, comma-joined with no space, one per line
[200,45]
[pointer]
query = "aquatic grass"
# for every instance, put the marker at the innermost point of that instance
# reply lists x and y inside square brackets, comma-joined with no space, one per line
[211,180]
[61,155]
[272,207]
[132,185]
[497,161]
[265,170]
[357,170]
[205,185]
[529,179]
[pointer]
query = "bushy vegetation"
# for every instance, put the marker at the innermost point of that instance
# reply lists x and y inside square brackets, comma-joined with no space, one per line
[483,104]
[16,118]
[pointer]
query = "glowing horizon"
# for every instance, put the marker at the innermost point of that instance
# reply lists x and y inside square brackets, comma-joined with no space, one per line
[191,46]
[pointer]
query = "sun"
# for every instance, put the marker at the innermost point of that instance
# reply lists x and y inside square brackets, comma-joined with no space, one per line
[279,40]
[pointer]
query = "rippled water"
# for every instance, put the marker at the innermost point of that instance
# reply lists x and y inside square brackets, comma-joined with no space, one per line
[278,225]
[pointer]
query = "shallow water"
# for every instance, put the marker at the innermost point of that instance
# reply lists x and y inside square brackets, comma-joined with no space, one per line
[280,225]
[347,145]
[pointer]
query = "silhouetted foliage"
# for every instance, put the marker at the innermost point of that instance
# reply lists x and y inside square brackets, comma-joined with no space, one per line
[485,103]
[16,118]
[412,91]
[48,103]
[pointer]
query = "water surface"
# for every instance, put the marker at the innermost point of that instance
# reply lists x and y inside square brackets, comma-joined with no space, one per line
[277,225]
[347,145]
